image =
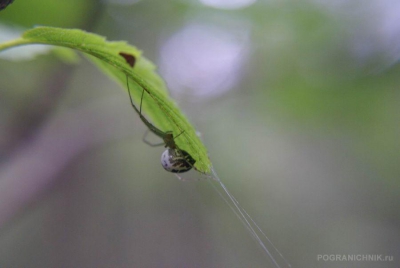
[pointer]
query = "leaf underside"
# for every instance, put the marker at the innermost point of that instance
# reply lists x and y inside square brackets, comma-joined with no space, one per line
[157,105]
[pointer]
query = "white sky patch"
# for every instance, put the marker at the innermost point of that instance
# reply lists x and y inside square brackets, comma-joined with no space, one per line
[375,23]
[228,4]
[23,52]
[123,2]
[203,60]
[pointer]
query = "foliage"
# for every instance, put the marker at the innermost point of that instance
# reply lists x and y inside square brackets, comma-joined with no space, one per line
[106,55]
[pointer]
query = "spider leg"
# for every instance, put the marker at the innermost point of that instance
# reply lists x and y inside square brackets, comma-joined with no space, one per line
[150,143]
[153,129]
[179,134]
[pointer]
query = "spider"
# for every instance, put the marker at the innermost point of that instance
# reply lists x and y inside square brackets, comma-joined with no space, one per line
[173,159]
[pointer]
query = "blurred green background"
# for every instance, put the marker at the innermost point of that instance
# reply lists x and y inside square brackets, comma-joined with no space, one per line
[297,102]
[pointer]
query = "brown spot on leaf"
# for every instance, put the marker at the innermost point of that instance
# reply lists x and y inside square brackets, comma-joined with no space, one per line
[130,59]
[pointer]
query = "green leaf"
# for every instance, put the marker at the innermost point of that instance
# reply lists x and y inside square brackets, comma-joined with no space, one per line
[157,105]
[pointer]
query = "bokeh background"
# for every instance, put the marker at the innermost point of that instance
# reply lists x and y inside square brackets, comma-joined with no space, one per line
[297,102]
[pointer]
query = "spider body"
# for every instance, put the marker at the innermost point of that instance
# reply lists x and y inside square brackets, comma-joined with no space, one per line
[173,159]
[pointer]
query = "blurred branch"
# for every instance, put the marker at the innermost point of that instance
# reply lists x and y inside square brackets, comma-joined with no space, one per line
[36,164]
[35,113]
[5,3]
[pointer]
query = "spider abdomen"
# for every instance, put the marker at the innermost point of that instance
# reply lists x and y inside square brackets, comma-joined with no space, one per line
[176,161]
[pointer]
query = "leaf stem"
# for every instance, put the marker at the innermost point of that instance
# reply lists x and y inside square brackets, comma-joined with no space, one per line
[14,43]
